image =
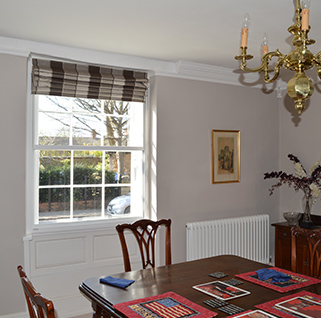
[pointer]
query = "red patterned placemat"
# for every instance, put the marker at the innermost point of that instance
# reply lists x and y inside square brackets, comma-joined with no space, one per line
[163,306]
[271,308]
[297,280]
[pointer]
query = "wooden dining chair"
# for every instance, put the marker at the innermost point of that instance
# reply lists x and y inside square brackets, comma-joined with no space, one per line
[38,306]
[145,231]
[313,238]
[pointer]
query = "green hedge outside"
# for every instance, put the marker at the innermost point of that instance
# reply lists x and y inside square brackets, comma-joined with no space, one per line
[83,174]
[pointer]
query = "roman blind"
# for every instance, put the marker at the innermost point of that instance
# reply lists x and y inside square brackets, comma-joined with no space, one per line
[87,81]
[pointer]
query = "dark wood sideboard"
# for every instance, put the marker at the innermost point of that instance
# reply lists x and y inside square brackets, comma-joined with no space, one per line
[283,247]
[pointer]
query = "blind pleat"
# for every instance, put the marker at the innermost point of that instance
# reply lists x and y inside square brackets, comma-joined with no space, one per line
[86,81]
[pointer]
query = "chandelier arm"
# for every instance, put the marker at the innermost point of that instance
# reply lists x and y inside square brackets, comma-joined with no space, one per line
[265,65]
[277,68]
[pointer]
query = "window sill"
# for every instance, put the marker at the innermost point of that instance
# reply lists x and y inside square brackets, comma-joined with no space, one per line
[80,226]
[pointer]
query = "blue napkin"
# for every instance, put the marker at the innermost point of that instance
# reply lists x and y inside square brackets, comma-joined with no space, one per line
[118,282]
[277,277]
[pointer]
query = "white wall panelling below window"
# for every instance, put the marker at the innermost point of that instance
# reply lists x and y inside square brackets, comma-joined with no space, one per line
[58,262]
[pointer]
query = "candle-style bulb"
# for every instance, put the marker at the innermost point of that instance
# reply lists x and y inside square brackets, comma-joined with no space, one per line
[246,21]
[265,44]
[305,4]
[245,30]
[265,40]
[305,14]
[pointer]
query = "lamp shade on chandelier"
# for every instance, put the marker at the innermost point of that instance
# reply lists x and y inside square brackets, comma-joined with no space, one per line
[300,87]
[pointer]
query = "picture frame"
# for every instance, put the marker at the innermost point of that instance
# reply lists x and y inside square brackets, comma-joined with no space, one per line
[226,156]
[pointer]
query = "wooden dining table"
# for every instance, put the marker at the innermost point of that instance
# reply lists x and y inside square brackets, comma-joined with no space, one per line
[179,278]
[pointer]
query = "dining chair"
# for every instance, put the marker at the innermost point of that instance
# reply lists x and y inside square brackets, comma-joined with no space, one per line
[145,231]
[313,237]
[38,306]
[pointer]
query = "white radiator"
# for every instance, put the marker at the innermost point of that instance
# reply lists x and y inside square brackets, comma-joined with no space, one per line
[247,237]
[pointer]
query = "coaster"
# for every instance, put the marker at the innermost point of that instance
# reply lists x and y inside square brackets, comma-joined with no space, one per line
[231,309]
[218,275]
[215,303]
[233,282]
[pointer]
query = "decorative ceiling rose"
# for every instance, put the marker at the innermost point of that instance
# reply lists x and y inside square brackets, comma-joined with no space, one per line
[300,87]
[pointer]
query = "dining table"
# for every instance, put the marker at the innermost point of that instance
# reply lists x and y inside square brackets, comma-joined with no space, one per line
[180,279]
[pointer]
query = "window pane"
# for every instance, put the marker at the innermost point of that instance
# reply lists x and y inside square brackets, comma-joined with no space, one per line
[117,200]
[119,165]
[87,202]
[53,129]
[88,167]
[86,130]
[124,124]
[116,131]
[54,103]
[54,203]
[54,167]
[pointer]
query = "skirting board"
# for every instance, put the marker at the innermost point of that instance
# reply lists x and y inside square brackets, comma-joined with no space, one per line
[16,315]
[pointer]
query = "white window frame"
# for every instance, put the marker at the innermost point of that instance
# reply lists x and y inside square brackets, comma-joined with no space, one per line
[32,172]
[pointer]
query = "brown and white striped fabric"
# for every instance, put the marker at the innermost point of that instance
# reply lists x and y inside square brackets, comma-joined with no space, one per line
[87,81]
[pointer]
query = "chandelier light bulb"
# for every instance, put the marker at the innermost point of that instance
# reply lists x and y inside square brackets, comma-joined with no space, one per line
[245,30]
[265,44]
[305,4]
[265,41]
[246,21]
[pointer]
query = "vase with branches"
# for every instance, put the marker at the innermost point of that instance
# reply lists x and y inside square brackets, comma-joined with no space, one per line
[308,182]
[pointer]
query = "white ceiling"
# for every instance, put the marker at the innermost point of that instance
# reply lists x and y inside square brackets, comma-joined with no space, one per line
[201,31]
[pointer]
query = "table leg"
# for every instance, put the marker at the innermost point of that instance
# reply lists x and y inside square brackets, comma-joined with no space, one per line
[98,312]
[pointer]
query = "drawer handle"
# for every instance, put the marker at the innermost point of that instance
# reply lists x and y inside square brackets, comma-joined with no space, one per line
[284,234]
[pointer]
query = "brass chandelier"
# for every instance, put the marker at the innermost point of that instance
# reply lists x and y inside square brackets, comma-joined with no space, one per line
[300,87]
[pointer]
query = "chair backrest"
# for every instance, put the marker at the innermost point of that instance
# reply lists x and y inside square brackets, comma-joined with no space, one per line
[313,238]
[145,231]
[38,306]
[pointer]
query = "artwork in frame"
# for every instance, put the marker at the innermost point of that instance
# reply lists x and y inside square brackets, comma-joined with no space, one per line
[225,156]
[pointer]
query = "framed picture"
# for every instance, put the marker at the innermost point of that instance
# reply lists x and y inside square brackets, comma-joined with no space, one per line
[225,156]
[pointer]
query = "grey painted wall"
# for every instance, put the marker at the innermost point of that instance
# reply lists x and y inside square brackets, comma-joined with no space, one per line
[187,112]
[12,184]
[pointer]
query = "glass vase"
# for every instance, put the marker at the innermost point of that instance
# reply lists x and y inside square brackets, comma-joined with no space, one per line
[307,205]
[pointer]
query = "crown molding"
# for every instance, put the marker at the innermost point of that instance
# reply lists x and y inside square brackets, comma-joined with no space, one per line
[27,48]
[213,73]
[179,69]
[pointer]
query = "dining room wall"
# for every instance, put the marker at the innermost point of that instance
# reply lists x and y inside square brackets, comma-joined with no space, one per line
[187,112]
[12,183]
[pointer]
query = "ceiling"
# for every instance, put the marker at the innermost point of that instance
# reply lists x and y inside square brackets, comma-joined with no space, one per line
[200,31]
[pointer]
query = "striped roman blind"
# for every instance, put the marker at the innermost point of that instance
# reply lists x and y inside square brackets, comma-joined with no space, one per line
[87,81]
